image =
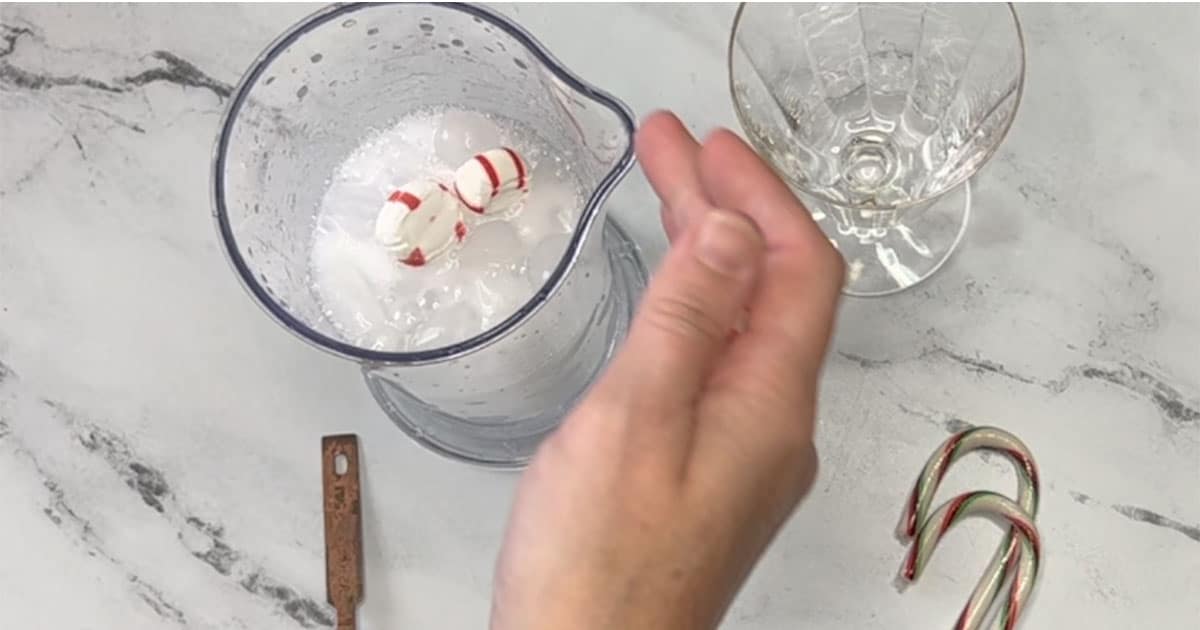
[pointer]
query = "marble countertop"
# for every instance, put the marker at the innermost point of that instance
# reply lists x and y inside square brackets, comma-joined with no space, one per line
[159,436]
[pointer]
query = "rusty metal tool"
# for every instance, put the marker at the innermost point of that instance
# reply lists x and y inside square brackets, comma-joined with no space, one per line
[343,527]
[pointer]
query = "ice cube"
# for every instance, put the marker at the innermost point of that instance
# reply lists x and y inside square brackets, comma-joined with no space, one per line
[432,299]
[364,172]
[499,293]
[550,208]
[491,245]
[462,134]
[385,339]
[544,259]
[448,324]
[405,314]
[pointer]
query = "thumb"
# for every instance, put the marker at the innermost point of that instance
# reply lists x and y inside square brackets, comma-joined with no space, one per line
[693,302]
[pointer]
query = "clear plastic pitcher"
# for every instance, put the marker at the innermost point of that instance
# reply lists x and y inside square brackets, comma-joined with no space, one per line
[346,71]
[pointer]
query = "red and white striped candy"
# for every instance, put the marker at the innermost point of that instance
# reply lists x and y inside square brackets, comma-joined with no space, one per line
[488,176]
[420,220]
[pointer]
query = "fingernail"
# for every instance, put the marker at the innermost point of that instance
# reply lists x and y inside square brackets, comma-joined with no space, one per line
[728,243]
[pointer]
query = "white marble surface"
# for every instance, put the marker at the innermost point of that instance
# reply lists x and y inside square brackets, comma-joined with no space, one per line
[159,435]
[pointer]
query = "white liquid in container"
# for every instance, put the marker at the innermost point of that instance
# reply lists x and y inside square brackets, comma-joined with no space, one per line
[373,300]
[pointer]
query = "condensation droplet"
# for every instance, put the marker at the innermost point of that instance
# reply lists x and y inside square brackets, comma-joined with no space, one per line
[610,140]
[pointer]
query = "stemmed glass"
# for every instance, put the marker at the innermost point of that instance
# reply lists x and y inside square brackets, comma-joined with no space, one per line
[877,115]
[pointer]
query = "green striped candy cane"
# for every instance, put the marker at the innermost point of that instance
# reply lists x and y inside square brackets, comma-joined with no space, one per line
[1005,560]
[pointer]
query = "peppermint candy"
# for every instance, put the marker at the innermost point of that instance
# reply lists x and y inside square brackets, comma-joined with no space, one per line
[422,219]
[419,221]
[492,180]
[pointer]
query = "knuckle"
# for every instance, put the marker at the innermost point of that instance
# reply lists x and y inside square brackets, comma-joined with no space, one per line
[682,316]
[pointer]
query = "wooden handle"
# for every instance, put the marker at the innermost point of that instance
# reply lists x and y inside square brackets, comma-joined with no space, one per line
[343,527]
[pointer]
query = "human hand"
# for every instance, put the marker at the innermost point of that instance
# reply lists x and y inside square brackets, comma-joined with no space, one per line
[650,505]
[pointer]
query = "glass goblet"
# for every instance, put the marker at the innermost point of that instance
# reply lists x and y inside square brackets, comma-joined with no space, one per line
[877,115]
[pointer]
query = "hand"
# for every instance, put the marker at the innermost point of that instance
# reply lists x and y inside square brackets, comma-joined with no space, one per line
[648,508]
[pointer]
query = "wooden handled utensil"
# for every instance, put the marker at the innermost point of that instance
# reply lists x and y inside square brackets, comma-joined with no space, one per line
[343,527]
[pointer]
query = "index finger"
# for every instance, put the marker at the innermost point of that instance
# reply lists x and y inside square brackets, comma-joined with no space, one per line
[766,387]
[792,312]
[670,156]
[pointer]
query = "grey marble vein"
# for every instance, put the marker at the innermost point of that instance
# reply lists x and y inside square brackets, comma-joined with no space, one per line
[205,541]
[174,70]
[58,510]
[130,125]
[179,72]
[977,364]
[1143,515]
[952,424]
[1174,405]
[1152,518]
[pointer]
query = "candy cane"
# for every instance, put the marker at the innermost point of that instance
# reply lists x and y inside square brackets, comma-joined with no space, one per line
[991,505]
[1004,561]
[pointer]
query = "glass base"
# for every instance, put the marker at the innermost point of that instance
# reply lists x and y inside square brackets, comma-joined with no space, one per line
[883,259]
[502,441]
